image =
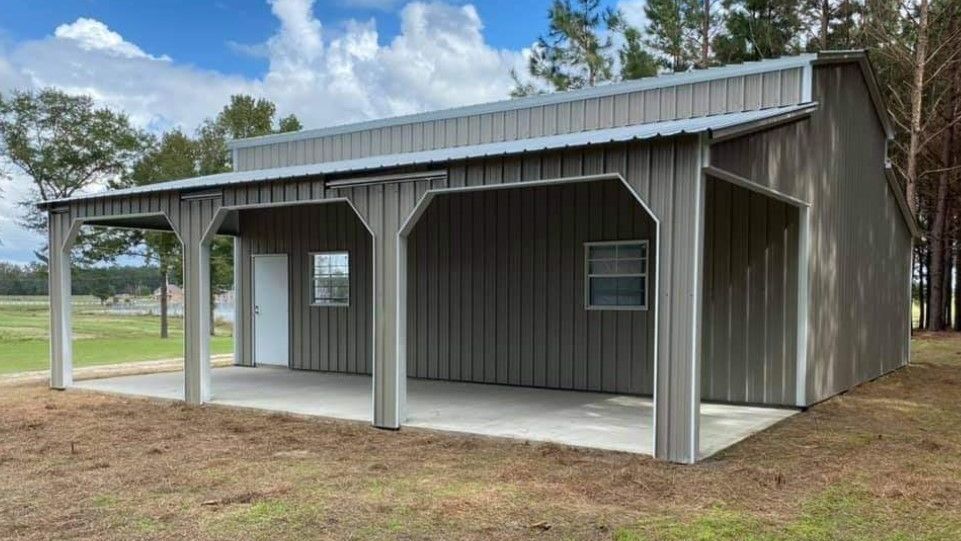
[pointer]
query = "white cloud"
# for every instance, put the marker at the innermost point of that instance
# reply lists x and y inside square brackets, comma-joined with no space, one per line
[633,11]
[93,35]
[324,75]
[383,5]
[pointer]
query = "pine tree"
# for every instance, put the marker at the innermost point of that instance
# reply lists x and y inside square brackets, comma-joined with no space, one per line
[757,29]
[666,30]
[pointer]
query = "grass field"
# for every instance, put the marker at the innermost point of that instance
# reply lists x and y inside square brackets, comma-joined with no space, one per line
[99,338]
[881,462]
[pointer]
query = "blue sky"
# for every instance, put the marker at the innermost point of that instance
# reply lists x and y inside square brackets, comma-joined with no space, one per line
[200,32]
[171,64]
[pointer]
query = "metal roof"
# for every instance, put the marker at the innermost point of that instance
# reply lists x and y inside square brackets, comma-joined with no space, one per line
[623,87]
[706,124]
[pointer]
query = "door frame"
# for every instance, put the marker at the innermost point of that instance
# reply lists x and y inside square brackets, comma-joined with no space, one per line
[253,306]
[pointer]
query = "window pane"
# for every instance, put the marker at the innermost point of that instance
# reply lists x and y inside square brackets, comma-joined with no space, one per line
[602,252]
[603,292]
[630,291]
[630,266]
[630,251]
[331,275]
[602,267]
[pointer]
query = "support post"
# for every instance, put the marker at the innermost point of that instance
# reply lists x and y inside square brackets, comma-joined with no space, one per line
[60,234]
[196,320]
[238,330]
[390,367]
[677,394]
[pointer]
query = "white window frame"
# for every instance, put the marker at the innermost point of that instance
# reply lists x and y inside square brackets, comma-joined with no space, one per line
[645,274]
[312,285]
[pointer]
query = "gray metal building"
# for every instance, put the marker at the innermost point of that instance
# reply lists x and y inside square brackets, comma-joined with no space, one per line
[733,234]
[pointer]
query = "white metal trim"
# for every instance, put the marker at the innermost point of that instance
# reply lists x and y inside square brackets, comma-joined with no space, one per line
[754,186]
[803,300]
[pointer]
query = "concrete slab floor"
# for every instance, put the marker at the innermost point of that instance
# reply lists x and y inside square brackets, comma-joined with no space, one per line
[596,420]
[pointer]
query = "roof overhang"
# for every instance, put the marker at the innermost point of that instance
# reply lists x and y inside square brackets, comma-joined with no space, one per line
[860,56]
[720,125]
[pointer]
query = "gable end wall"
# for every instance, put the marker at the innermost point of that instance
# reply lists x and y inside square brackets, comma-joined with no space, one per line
[860,246]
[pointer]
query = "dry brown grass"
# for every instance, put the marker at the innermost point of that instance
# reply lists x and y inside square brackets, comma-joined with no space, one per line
[880,462]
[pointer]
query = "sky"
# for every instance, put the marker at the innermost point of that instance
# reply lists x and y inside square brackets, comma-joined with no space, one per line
[173,63]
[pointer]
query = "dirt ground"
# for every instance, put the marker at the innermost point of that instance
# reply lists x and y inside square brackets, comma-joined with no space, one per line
[880,462]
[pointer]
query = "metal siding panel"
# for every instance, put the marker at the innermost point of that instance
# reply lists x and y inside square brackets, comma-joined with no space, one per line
[537,122]
[668,103]
[718,96]
[791,86]
[636,106]
[564,116]
[523,123]
[771,89]
[753,89]
[685,101]
[621,113]
[605,117]
[550,120]
[652,105]
[701,100]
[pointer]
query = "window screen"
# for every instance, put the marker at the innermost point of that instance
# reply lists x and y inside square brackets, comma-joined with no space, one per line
[331,278]
[617,275]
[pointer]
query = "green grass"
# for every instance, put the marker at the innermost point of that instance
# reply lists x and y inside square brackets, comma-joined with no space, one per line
[844,511]
[98,338]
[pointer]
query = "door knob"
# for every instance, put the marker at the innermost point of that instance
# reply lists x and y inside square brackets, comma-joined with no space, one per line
[256,310]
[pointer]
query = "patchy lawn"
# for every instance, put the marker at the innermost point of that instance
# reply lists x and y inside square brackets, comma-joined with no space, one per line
[99,338]
[881,462]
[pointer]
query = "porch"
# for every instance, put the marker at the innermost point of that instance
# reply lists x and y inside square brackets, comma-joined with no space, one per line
[582,419]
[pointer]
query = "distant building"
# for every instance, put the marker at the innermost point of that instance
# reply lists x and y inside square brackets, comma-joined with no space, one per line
[174,294]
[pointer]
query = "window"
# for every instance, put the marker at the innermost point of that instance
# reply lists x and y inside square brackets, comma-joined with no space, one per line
[330,274]
[616,275]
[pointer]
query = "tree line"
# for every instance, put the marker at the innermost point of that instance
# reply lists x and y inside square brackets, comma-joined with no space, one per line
[100,282]
[66,144]
[914,46]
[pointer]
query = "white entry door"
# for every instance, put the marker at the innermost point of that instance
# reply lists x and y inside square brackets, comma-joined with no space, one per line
[271,330]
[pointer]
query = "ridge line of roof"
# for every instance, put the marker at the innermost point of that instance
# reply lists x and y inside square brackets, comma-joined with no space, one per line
[622,87]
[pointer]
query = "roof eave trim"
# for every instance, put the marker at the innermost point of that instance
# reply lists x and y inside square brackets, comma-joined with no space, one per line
[864,62]
[740,130]
[902,201]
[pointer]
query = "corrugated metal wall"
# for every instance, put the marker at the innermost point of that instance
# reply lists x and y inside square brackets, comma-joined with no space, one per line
[336,339]
[859,243]
[496,290]
[740,93]
[750,297]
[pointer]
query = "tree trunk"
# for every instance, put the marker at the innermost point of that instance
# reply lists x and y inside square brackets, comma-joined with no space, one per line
[927,285]
[164,280]
[825,24]
[917,95]
[937,250]
[957,286]
[946,288]
[939,226]
[213,322]
[706,35]
[922,297]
